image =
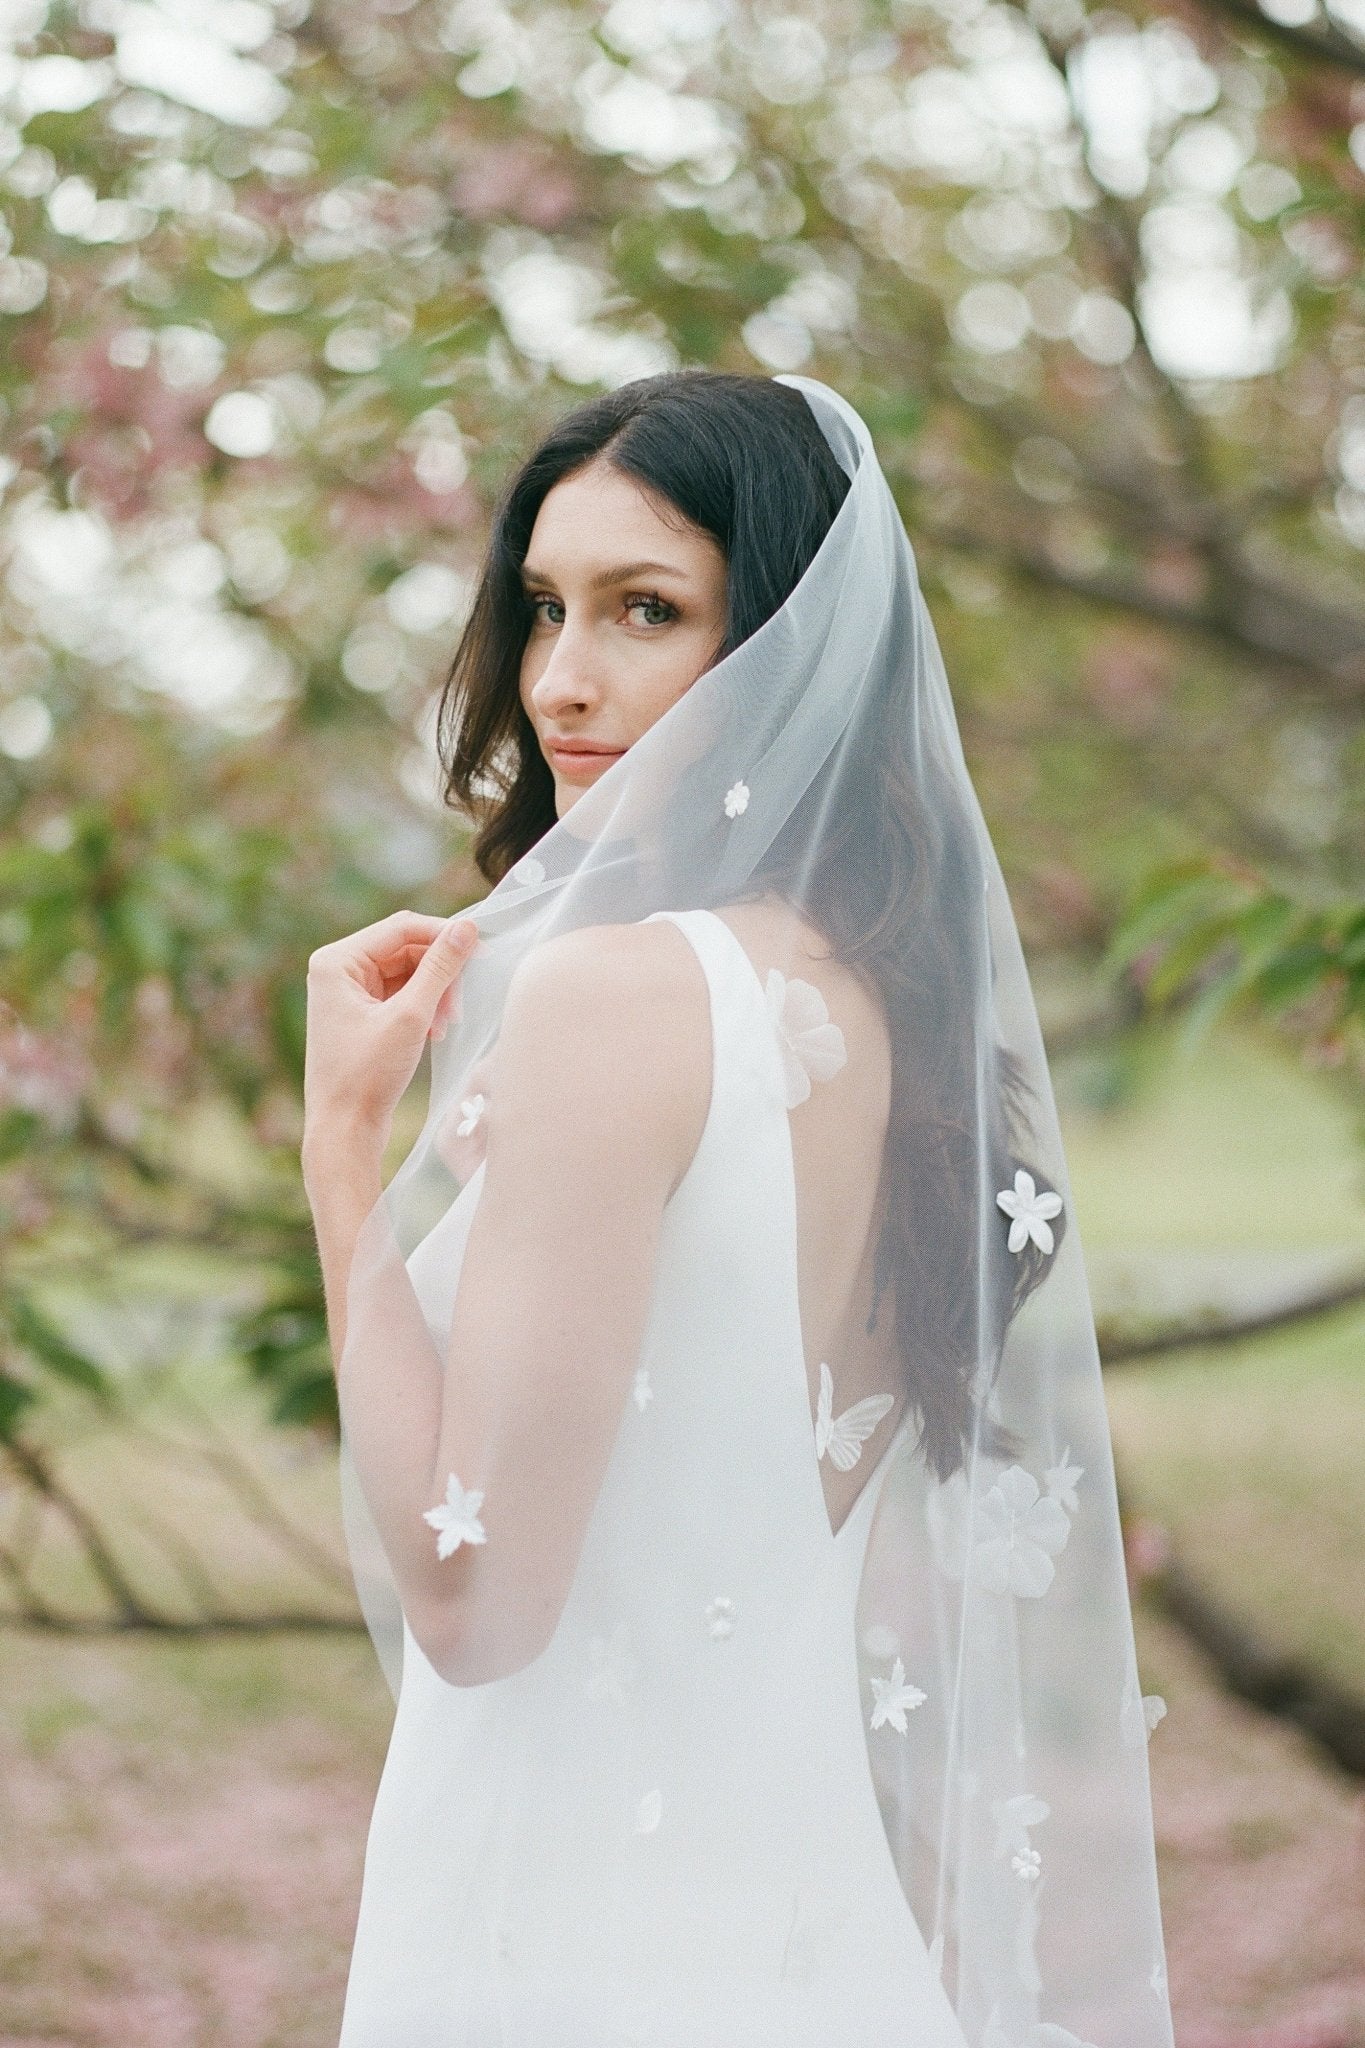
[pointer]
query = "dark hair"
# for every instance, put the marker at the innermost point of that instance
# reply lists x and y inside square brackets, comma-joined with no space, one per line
[899,898]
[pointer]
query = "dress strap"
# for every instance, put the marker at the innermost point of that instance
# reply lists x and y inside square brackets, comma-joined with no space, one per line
[745,1048]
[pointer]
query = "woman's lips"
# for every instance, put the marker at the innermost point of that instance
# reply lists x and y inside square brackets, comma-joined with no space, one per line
[576,763]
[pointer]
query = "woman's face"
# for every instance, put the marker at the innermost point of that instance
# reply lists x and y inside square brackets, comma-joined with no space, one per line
[628,609]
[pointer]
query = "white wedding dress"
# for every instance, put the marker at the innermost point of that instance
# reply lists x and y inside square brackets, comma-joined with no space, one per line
[663,1832]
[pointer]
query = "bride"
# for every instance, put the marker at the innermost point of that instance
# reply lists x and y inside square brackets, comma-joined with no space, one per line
[725,1464]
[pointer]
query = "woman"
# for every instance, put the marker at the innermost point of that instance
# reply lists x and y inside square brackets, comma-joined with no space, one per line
[726,1466]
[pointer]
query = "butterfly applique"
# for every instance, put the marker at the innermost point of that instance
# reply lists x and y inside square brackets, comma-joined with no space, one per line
[843,1436]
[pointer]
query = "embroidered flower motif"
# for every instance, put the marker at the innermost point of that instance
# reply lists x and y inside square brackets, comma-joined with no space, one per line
[1013,1818]
[641,1392]
[648,1812]
[736,799]
[1157,1979]
[1018,1535]
[472,1108]
[893,1696]
[1060,1481]
[843,1436]
[528,871]
[1139,1712]
[812,1047]
[1027,1863]
[614,1669]
[720,1616]
[456,1519]
[1029,1210]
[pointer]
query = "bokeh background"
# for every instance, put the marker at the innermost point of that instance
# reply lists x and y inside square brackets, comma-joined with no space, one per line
[283,291]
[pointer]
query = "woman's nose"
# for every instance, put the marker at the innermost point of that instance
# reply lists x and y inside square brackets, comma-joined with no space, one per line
[566,679]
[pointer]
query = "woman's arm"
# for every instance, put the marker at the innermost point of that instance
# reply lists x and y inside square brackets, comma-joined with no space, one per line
[599,1086]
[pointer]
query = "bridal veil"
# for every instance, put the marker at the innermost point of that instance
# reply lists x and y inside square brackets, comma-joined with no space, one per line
[1004,1721]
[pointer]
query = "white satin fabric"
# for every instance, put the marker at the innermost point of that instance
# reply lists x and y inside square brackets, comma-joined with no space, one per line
[664,1832]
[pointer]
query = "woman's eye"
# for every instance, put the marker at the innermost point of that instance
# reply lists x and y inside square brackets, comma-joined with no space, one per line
[654,611]
[543,598]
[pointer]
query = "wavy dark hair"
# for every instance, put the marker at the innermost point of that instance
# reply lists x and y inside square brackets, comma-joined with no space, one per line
[897,899]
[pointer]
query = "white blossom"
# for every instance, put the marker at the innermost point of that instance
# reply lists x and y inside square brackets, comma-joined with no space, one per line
[736,799]
[1029,1210]
[1018,1533]
[1013,1818]
[811,1046]
[893,1696]
[641,1392]
[649,1812]
[1060,1481]
[720,1616]
[456,1519]
[471,1109]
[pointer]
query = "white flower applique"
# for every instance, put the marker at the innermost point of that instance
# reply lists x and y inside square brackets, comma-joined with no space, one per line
[893,1696]
[812,1047]
[720,1616]
[1013,1818]
[527,872]
[471,1109]
[1029,1210]
[649,1812]
[1139,1712]
[1060,1481]
[1018,1533]
[736,799]
[843,1436]
[456,1519]
[641,1392]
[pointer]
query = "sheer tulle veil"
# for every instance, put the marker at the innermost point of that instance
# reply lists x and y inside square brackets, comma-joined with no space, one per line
[821,759]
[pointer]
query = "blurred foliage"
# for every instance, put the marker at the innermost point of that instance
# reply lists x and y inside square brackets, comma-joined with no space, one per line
[283,290]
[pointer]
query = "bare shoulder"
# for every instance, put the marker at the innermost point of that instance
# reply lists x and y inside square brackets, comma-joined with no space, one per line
[607,1028]
[628,981]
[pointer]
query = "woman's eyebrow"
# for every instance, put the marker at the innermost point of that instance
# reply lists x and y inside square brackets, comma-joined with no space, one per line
[605,578]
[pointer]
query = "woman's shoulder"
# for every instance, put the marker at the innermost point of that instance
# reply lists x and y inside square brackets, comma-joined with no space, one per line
[637,990]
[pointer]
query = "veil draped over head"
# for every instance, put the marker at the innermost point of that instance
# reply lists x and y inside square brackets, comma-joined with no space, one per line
[1004,1724]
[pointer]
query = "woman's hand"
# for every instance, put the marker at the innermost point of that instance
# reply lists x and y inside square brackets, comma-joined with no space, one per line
[374,999]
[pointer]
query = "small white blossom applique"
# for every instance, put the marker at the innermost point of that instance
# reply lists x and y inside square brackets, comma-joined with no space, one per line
[736,799]
[893,1696]
[528,871]
[720,1616]
[843,1436]
[812,1047]
[471,1109]
[456,1519]
[1013,1818]
[1018,1533]
[641,1392]
[1139,1712]
[1029,1210]
[1060,1481]
[649,1812]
